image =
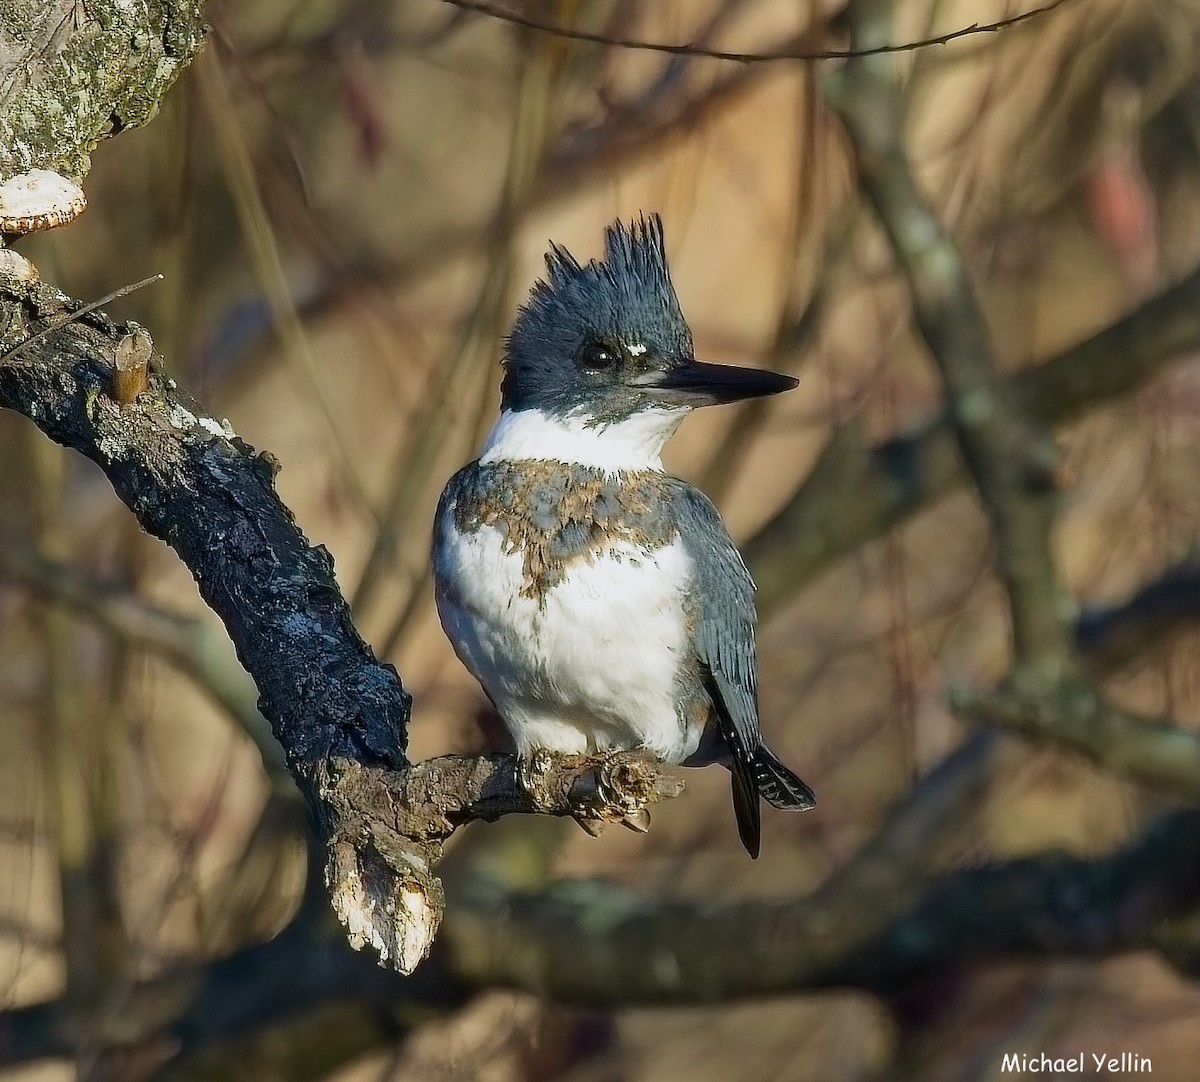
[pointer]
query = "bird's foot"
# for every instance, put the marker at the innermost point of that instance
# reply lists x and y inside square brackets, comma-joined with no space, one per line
[598,790]
[594,827]
[638,821]
[536,775]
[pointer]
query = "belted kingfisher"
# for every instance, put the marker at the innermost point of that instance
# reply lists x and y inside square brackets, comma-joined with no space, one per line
[598,600]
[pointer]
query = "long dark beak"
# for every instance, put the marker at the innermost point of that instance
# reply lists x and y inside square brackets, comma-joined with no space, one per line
[695,383]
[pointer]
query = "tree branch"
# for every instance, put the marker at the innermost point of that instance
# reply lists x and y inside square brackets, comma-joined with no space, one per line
[1111,636]
[599,945]
[340,715]
[309,966]
[1009,454]
[856,491]
[1006,446]
[1155,753]
[77,73]
[495,11]
[193,646]
[196,1007]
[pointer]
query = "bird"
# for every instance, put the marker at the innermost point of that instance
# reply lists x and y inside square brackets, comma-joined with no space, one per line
[599,600]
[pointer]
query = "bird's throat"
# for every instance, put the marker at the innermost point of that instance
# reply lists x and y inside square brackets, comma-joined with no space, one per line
[634,442]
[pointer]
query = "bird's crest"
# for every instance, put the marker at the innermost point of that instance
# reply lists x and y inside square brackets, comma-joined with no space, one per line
[631,285]
[625,297]
[635,255]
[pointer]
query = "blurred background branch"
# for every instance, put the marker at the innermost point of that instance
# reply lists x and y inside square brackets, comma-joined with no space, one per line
[856,492]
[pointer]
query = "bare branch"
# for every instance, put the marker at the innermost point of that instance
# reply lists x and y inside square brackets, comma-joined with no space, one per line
[386,829]
[1008,453]
[192,646]
[1112,636]
[79,313]
[1155,752]
[1006,447]
[495,11]
[197,1007]
[889,876]
[340,715]
[857,491]
[600,945]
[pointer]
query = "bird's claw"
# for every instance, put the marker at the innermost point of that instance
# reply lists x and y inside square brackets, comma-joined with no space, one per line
[609,791]
[638,821]
[594,827]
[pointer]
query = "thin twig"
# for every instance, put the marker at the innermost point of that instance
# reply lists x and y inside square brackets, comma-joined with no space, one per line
[79,313]
[494,11]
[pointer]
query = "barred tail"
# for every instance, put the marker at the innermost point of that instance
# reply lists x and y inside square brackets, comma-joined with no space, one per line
[764,776]
[778,786]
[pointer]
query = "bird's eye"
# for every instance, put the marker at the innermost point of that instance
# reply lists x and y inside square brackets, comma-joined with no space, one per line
[597,355]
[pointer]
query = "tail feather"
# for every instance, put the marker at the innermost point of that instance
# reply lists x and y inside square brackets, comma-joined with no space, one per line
[745,805]
[778,786]
[764,776]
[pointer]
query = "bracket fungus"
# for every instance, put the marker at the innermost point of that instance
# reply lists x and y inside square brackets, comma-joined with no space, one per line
[36,200]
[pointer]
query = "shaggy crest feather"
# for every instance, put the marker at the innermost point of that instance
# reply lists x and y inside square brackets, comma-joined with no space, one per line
[630,288]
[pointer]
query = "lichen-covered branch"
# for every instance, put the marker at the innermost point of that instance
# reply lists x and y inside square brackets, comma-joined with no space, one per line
[73,73]
[340,715]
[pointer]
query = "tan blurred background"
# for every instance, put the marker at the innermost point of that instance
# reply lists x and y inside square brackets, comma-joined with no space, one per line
[348,200]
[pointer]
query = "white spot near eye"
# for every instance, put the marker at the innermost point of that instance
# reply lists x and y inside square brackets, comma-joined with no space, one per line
[637,350]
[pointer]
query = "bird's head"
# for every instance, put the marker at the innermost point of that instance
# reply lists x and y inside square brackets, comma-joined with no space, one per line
[606,340]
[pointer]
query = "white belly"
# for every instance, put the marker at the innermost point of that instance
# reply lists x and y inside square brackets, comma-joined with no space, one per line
[591,664]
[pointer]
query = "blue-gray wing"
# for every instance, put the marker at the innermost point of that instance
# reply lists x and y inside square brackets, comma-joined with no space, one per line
[722,608]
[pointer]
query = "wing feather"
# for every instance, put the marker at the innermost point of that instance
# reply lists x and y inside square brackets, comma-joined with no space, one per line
[722,602]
